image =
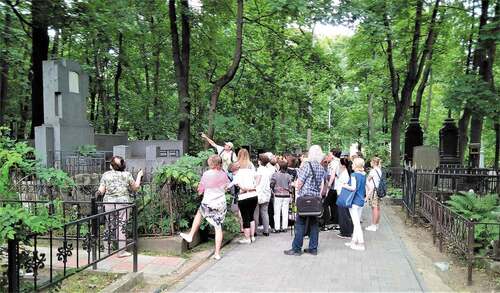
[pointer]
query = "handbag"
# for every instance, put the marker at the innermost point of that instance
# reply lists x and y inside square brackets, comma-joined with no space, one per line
[345,197]
[308,205]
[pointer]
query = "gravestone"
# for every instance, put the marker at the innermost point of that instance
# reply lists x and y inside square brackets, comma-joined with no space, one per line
[448,142]
[425,158]
[65,128]
[414,136]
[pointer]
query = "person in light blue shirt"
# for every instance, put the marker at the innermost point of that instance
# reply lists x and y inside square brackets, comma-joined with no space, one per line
[358,181]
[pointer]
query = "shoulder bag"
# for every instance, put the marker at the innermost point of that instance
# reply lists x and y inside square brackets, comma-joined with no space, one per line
[345,197]
[310,205]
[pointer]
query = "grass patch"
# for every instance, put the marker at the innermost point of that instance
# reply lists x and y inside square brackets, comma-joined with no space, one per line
[85,281]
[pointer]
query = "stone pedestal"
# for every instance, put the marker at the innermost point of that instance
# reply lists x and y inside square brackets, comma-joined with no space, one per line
[414,136]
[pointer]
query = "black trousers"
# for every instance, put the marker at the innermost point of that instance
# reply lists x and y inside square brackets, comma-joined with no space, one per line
[330,215]
[247,207]
[345,221]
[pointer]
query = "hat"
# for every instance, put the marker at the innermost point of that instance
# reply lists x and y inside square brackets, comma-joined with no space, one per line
[230,144]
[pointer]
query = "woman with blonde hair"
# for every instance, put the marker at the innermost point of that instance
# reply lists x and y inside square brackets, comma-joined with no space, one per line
[213,206]
[372,183]
[357,184]
[247,180]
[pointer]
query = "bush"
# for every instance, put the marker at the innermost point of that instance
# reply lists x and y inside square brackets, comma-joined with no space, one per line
[484,209]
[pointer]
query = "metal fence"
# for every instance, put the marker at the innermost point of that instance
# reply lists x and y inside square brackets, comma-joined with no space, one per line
[465,235]
[424,195]
[445,182]
[75,163]
[84,240]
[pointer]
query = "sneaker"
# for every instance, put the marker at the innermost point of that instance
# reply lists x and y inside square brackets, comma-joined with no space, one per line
[275,231]
[311,251]
[186,237]
[124,254]
[283,230]
[252,239]
[360,247]
[216,257]
[342,236]
[245,241]
[265,234]
[292,252]
[349,244]
[372,228]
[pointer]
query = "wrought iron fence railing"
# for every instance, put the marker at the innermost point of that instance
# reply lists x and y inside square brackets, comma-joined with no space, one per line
[84,240]
[470,238]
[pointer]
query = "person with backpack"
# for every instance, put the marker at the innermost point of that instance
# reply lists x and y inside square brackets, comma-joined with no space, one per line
[375,190]
[226,152]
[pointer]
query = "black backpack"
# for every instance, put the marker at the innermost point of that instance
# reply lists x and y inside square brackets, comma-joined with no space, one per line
[382,186]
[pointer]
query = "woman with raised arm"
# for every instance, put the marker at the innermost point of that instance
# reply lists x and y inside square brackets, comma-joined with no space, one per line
[116,185]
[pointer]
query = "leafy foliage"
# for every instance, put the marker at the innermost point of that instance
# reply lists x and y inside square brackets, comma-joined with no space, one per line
[484,209]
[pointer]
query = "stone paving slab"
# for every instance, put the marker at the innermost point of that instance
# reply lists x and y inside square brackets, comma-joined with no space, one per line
[150,265]
[384,266]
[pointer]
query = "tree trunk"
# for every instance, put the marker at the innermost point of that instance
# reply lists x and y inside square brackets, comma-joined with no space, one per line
[181,63]
[39,53]
[117,82]
[385,117]
[415,67]
[422,86]
[231,71]
[463,138]
[497,144]
[429,102]
[156,87]
[4,64]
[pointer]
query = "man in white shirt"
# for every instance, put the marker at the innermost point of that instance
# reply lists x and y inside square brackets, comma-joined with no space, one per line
[226,152]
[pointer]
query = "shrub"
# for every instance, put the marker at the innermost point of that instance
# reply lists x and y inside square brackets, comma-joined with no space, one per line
[484,209]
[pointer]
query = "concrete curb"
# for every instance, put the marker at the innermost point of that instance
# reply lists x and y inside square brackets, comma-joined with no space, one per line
[188,271]
[125,283]
[408,257]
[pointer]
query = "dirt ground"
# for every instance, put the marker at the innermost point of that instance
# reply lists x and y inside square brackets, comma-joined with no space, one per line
[418,241]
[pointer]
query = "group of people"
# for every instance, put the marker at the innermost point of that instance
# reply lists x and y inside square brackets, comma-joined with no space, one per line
[278,181]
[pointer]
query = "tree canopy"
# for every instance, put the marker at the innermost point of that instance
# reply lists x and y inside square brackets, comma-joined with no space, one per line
[258,73]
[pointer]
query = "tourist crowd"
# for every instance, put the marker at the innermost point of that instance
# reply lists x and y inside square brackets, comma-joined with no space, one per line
[313,191]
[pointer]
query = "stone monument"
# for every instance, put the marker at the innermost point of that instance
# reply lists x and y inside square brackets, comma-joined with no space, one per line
[414,136]
[448,142]
[65,128]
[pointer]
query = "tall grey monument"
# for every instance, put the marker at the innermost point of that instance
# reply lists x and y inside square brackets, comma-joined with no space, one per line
[65,128]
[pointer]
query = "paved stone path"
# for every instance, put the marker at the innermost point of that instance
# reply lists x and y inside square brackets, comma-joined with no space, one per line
[384,266]
[150,265]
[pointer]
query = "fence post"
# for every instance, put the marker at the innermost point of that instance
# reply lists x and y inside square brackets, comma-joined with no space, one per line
[95,232]
[434,221]
[134,225]
[470,252]
[13,269]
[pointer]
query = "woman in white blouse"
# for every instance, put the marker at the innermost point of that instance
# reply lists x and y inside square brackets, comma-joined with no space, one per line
[247,180]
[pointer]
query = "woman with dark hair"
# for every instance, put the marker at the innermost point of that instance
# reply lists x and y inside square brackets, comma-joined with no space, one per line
[116,185]
[345,222]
